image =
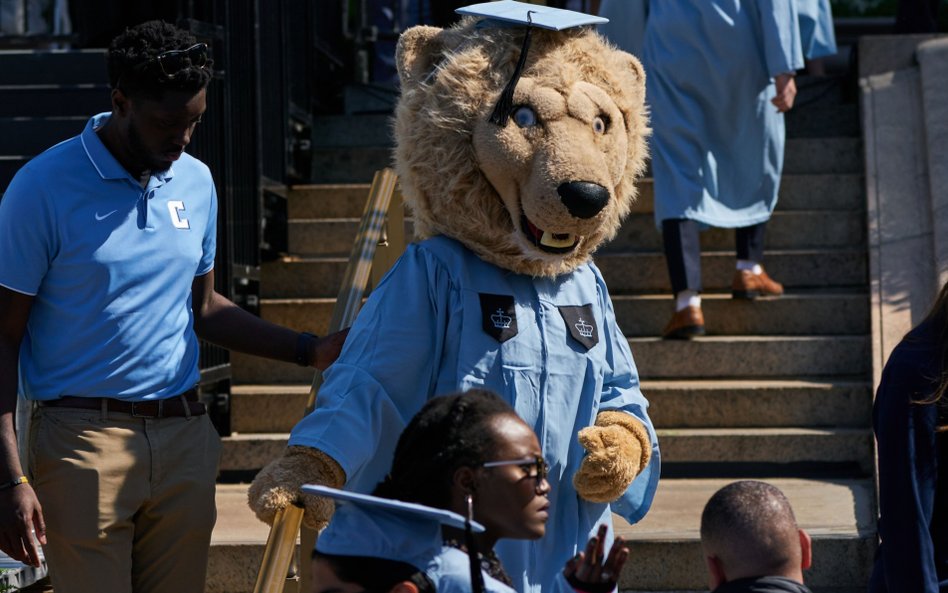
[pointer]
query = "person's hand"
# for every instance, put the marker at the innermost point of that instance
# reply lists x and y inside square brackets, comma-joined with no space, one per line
[786,92]
[327,349]
[590,571]
[21,516]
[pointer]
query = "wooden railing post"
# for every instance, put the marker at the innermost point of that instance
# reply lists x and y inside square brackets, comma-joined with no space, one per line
[274,574]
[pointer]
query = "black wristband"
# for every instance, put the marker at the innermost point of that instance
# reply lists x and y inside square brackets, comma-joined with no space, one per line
[302,348]
[14,483]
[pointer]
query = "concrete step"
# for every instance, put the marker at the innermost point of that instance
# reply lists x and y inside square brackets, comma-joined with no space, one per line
[749,357]
[823,120]
[706,452]
[732,357]
[801,229]
[704,403]
[797,313]
[327,236]
[625,272]
[823,155]
[337,131]
[33,135]
[267,408]
[793,229]
[697,403]
[237,543]
[723,451]
[806,191]
[21,67]
[665,546]
[356,164]
[255,370]
[646,272]
[50,100]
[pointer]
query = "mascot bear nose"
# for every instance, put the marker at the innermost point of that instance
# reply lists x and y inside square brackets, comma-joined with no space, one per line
[583,199]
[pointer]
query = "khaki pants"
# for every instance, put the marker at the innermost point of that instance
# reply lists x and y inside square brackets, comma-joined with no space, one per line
[128,502]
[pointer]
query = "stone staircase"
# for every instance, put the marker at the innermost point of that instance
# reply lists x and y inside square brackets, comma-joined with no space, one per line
[778,390]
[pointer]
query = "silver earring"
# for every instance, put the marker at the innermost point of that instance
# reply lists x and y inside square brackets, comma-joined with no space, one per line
[470,506]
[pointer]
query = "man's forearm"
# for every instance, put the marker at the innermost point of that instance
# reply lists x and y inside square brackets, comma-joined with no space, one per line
[9,455]
[225,324]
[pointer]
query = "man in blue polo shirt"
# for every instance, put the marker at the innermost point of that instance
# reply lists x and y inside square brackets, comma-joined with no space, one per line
[107,244]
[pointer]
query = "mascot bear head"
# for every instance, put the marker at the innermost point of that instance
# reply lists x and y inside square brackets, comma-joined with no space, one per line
[539,192]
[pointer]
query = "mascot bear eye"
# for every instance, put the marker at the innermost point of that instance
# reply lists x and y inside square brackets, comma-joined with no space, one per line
[599,125]
[525,117]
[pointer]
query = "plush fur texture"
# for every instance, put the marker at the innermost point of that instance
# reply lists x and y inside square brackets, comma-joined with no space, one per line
[278,485]
[473,180]
[617,448]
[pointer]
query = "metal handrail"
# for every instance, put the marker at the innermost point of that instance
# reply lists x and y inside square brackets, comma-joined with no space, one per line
[275,570]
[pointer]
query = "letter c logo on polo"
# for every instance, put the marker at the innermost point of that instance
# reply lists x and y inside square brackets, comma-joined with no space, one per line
[175,208]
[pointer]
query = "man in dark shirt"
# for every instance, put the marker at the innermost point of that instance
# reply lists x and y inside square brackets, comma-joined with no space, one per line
[751,541]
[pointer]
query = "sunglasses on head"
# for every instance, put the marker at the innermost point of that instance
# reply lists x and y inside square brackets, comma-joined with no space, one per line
[536,467]
[173,62]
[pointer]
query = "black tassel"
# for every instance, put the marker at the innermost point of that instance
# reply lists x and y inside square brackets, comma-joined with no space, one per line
[505,103]
[477,578]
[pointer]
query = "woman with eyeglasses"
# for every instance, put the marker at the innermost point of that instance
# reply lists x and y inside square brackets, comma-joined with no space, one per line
[471,454]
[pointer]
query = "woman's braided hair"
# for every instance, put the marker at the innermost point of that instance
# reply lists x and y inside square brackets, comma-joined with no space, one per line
[448,433]
[132,66]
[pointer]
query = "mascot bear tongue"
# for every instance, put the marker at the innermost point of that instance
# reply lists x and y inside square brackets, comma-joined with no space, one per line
[507,216]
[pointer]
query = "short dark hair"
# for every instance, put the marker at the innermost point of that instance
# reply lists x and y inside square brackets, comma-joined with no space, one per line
[375,574]
[133,66]
[751,524]
[449,432]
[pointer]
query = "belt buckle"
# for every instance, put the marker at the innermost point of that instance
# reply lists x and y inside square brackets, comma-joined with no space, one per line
[136,414]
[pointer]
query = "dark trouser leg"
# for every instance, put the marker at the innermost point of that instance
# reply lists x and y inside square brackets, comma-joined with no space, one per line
[682,253]
[750,242]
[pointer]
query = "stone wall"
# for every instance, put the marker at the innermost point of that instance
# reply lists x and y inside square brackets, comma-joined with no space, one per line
[904,82]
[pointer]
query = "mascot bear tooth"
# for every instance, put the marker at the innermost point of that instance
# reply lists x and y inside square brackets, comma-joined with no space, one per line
[499,290]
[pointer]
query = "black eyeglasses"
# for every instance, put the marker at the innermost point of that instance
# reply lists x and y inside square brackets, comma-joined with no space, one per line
[173,62]
[535,467]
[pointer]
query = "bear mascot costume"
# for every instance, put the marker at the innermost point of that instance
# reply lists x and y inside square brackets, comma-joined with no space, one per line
[511,191]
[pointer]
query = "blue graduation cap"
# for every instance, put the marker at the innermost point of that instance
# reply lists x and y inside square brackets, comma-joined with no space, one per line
[512,13]
[365,525]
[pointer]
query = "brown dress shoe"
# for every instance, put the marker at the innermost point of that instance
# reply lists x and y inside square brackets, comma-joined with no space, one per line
[685,324]
[748,285]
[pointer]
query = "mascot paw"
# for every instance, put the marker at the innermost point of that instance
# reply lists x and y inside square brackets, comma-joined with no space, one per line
[278,485]
[618,448]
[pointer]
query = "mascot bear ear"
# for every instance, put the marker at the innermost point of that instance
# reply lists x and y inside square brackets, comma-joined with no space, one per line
[418,52]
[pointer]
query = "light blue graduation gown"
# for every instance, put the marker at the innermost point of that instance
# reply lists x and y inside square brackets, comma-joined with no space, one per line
[451,573]
[432,327]
[718,142]
[816,28]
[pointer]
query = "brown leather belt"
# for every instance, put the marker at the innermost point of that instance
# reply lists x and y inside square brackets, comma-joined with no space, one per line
[162,408]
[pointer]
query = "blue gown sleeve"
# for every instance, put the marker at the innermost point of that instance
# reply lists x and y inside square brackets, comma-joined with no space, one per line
[780,30]
[621,392]
[908,474]
[385,372]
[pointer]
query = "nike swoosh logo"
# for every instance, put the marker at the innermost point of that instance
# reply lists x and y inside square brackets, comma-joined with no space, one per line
[104,216]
